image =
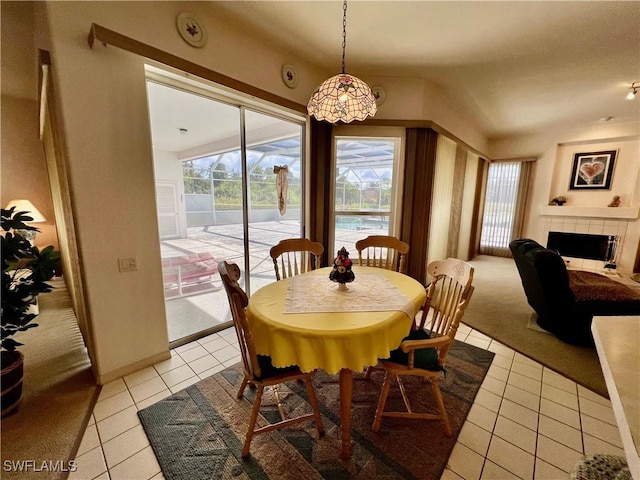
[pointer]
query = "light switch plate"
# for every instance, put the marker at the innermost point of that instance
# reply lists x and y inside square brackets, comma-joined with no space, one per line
[127,264]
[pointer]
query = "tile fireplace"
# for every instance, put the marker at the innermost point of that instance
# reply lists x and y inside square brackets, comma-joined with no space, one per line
[585,246]
[598,242]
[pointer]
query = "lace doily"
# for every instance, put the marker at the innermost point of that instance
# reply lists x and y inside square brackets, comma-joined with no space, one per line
[367,293]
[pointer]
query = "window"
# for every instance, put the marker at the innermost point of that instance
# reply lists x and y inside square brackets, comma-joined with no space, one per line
[503,206]
[363,189]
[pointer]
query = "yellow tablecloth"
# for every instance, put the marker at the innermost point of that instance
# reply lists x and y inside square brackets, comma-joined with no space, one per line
[331,340]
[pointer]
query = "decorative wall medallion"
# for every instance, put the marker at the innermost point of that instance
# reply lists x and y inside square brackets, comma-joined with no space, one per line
[289,76]
[379,94]
[191,29]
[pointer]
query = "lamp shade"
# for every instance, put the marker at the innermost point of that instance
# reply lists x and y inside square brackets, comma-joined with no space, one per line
[344,98]
[26,206]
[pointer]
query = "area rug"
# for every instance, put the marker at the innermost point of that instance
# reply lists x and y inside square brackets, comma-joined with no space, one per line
[500,310]
[198,432]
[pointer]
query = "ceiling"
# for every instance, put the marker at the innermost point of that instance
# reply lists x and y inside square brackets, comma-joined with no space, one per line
[513,67]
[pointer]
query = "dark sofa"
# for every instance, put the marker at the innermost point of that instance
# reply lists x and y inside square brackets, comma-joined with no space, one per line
[567,300]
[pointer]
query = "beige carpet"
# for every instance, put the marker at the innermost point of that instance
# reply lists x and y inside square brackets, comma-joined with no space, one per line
[499,309]
[59,393]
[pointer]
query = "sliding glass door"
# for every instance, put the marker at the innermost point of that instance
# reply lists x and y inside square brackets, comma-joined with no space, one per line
[219,165]
[274,189]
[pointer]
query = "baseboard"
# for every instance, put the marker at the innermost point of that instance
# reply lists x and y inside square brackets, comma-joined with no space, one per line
[134,367]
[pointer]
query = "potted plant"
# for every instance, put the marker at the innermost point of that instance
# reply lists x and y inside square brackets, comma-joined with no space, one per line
[25,271]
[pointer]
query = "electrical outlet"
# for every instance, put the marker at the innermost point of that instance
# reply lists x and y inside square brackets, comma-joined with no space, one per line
[127,264]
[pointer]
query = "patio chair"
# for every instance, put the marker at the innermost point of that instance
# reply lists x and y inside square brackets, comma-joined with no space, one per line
[383,251]
[257,369]
[295,255]
[423,352]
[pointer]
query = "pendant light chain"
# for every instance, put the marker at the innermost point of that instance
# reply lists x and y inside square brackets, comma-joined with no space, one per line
[344,33]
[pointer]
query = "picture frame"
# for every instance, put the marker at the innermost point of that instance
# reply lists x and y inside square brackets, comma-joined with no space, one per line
[593,170]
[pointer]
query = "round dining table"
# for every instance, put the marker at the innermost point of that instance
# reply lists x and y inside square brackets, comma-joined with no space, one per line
[306,320]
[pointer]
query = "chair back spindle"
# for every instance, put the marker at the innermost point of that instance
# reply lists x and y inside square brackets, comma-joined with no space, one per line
[383,251]
[294,256]
[450,285]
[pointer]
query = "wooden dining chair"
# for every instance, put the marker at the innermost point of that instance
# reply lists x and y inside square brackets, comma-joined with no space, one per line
[424,351]
[257,369]
[294,256]
[383,251]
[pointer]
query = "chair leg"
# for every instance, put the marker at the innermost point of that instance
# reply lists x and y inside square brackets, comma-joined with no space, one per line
[383,400]
[252,420]
[370,369]
[243,385]
[446,426]
[276,394]
[314,405]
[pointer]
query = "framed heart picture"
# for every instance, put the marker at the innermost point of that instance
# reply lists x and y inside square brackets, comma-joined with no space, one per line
[593,170]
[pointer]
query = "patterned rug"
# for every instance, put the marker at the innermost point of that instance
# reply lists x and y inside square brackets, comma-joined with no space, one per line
[198,432]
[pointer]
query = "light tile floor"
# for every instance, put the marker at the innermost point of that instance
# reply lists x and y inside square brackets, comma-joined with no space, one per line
[527,422]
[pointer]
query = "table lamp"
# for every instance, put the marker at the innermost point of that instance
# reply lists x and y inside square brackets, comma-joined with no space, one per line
[22,205]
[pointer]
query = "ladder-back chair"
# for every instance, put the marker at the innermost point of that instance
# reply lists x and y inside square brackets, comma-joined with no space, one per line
[424,351]
[383,251]
[257,369]
[294,256]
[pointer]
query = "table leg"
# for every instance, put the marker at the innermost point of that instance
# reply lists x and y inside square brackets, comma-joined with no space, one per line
[346,392]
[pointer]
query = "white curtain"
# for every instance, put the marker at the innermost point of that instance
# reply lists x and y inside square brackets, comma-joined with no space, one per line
[468,201]
[442,197]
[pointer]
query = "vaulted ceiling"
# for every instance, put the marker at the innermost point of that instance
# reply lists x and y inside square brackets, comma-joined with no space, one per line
[514,67]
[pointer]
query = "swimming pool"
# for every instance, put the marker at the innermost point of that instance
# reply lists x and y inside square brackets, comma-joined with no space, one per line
[361,223]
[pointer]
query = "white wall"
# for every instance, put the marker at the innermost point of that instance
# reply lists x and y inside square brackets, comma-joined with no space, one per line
[102,99]
[24,170]
[103,111]
[624,179]
[550,174]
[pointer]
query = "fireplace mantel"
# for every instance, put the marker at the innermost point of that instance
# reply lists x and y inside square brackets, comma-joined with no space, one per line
[629,213]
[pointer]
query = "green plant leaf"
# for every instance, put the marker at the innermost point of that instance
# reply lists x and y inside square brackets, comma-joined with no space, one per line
[27,327]
[25,270]
[12,220]
[10,344]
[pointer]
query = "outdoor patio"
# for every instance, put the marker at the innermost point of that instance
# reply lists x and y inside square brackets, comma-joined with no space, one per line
[208,312]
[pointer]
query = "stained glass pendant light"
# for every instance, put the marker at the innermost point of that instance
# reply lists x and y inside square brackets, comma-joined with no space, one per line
[342,97]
